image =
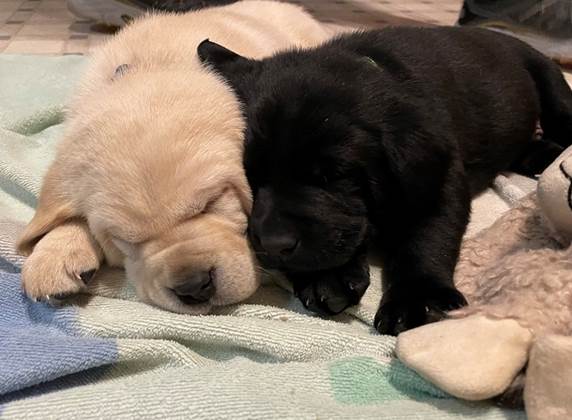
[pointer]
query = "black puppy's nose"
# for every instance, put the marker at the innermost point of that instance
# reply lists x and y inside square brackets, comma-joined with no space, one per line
[279,245]
[197,288]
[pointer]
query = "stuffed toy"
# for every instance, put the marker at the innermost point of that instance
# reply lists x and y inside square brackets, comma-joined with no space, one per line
[515,337]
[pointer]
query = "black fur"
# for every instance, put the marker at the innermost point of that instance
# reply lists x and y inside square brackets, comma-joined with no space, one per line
[377,142]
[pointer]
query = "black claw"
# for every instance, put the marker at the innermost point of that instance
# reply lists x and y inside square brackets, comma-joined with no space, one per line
[60,296]
[86,276]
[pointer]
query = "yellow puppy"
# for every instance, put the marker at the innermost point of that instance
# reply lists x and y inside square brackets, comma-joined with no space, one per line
[149,174]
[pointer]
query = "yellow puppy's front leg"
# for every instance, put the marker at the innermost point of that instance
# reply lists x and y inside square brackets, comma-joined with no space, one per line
[62,262]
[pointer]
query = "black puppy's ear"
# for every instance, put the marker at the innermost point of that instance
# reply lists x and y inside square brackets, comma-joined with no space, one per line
[218,56]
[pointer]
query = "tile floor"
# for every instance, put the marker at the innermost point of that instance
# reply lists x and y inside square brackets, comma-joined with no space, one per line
[47,27]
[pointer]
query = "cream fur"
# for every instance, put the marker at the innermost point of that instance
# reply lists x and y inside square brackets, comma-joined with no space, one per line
[468,368]
[149,173]
[517,269]
[549,379]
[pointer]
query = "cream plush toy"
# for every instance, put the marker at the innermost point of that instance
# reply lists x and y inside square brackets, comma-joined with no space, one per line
[517,330]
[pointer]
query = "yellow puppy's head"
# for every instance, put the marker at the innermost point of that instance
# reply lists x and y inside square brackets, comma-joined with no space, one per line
[153,163]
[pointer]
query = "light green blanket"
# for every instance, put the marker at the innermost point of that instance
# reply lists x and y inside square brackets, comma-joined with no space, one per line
[111,356]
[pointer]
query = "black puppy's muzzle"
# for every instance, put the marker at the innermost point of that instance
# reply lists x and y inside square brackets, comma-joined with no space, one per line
[274,249]
[273,238]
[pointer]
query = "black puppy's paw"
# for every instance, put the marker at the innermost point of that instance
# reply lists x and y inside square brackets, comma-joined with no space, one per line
[400,311]
[330,292]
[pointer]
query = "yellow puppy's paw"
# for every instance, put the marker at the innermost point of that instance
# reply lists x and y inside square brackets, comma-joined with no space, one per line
[62,263]
[46,275]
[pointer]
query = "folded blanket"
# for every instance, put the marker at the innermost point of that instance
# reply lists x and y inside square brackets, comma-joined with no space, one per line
[108,355]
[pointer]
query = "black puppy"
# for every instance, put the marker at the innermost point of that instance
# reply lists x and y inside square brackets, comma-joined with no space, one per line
[377,141]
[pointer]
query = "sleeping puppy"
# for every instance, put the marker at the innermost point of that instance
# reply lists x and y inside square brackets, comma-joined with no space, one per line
[149,174]
[377,142]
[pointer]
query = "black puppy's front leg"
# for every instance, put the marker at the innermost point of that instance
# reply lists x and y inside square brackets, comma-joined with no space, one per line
[419,262]
[329,292]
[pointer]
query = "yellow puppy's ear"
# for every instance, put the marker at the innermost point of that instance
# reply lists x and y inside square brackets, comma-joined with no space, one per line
[54,208]
[244,192]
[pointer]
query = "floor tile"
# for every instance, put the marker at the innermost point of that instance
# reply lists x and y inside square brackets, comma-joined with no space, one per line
[47,27]
[10,30]
[54,29]
[35,46]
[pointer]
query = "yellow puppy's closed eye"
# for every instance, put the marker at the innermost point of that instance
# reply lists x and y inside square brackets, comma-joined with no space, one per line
[227,205]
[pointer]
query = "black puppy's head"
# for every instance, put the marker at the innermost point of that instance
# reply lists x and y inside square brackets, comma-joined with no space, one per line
[304,157]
